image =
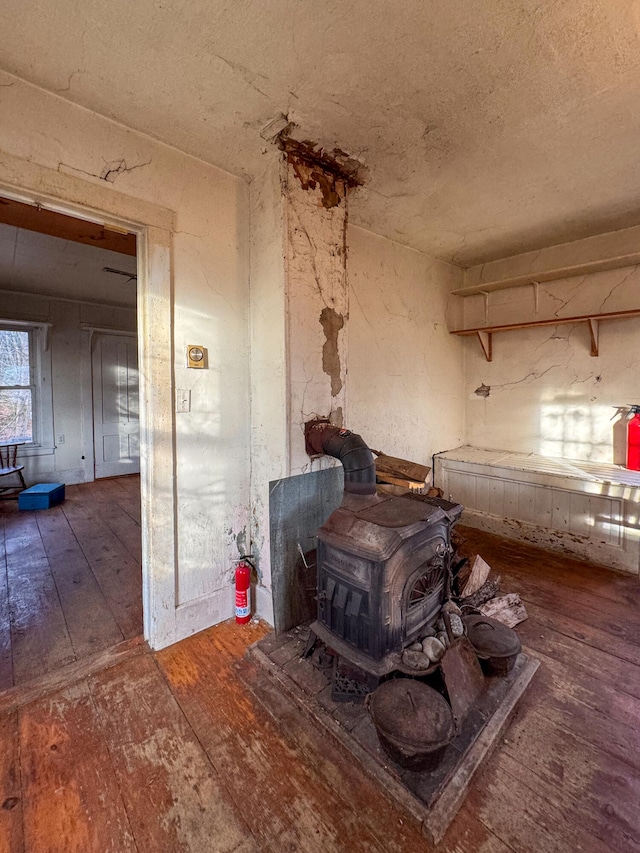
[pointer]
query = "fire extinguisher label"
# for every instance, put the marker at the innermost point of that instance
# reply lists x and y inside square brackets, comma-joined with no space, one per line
[242,604]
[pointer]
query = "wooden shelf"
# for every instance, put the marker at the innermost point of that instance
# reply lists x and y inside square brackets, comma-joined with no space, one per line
[585,268]
[485,333]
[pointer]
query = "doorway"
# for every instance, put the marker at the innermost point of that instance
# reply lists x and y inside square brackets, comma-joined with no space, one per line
[70,575]
[123,216]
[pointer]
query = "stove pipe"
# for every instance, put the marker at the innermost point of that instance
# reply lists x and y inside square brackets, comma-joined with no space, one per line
[357,460]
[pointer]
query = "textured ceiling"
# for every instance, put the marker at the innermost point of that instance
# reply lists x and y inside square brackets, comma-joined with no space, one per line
[488,128]
[37,263]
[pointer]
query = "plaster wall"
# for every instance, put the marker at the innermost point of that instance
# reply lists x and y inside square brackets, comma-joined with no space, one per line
[298,312]
[317,307]
[582,296]
[609,248]
[67,380]
[405,369]
[269,422]
[543,392]
[209,306]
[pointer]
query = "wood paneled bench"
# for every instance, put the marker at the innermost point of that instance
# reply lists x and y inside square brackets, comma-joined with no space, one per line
[586,508]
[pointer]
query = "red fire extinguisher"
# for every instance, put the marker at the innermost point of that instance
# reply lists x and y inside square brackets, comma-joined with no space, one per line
[633,440]
[243,585]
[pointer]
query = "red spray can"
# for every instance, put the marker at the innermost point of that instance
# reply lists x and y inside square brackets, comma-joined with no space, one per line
[633,440]
[243,585]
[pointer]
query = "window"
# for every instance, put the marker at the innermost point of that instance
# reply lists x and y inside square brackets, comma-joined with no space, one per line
[25,405]
[16,386]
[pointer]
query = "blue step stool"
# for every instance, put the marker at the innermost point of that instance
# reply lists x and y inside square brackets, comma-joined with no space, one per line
[41,496]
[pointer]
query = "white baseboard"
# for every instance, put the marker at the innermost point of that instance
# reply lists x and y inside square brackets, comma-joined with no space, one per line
[263,604]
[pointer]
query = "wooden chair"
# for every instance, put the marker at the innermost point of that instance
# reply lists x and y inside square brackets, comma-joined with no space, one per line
[9,468]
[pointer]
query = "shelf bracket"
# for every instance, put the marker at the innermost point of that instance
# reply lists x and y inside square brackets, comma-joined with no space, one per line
[486,343]
[594,333]
[485,293]
[536,286]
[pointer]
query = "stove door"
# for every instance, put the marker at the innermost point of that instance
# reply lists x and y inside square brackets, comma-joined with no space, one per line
[424,594]
[343,607]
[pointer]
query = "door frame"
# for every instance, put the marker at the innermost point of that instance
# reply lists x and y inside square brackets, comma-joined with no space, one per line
[153,226]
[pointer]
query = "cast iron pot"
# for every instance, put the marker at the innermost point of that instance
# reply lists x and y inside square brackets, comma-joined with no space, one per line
[496,645]
[413,721]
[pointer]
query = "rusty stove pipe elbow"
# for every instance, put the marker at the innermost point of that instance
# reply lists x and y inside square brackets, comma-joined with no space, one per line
[357,460]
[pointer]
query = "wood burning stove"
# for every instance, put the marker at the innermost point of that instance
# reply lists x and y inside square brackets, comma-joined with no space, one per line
[383,565]
[383,562]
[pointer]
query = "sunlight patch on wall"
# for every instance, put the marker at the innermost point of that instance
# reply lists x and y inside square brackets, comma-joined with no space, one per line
[572,430]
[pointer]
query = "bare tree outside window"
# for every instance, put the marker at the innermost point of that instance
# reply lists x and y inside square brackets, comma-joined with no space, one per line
[16,393]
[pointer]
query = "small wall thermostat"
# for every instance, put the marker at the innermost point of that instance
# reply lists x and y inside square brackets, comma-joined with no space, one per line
[196,356]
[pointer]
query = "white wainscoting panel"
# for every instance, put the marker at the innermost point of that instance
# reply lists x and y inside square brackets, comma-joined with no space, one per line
[590,510]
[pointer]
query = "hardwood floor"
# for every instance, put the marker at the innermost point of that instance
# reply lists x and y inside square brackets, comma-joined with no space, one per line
[193,748]
[70,578]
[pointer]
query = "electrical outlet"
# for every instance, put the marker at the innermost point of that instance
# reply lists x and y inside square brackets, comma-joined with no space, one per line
[183,400]
[60,439]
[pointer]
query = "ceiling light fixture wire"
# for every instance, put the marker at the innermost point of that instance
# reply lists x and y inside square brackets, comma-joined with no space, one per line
[130,276]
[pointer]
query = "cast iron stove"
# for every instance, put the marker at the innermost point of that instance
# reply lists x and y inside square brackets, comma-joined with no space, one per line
[383,567]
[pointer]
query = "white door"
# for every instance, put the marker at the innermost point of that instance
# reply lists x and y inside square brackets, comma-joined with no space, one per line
[116,425]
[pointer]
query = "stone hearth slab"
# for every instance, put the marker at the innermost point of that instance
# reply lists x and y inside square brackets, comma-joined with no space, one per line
[432,798]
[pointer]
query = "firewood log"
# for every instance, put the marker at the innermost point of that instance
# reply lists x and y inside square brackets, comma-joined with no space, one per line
[479,574]
[507,609]
[488,590]
[401,472]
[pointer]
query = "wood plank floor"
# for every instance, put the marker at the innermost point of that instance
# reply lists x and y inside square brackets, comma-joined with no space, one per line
[70,578]
[193,749]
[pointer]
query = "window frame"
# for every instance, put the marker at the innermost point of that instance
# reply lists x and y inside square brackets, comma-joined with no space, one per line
[40,385]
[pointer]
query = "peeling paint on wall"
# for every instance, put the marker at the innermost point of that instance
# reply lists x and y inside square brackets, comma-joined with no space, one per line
[241,542]
[299,366]
[331,323]
[257,536]
[331,187]
[336,164]
[332,172]
[317,300]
